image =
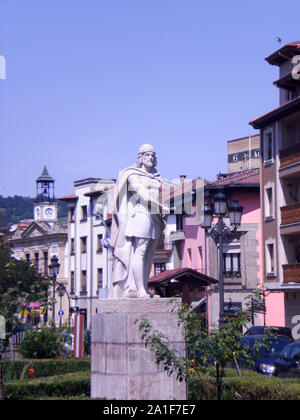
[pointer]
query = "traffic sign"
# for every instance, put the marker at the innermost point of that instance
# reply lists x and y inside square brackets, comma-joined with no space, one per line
[60,313]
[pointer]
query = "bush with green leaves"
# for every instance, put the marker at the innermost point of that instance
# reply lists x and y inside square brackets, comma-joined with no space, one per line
[41,344]
[207,352]
[70,384]
[17,369]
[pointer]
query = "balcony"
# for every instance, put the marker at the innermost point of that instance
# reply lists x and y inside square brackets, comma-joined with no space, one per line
[290,156]
[290,214]
[179,235]
[291,273]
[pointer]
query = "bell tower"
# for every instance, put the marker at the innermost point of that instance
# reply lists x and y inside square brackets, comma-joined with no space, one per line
[45,207]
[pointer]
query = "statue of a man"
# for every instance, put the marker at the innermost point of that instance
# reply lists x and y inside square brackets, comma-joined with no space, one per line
[137,223]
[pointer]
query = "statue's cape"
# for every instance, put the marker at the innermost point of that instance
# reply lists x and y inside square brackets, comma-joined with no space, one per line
[124,203]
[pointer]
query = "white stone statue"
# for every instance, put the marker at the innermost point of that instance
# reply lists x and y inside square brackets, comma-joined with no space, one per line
[137,223]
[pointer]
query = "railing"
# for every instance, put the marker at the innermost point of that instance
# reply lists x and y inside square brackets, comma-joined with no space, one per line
[164,246]
[291,273]
[290,214]
[290,155]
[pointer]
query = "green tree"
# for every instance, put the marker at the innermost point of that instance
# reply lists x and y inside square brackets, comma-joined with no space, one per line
[20,284]
[43,344]
[207,352]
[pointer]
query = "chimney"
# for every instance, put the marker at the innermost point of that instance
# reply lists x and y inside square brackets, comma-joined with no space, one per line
[182,178]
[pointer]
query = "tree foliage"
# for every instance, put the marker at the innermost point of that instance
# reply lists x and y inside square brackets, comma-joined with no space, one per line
[43,344]
[20,284]
[207,352]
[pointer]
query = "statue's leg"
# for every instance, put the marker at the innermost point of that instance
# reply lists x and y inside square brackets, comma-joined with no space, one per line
[138,265]
[149,260]
[127,287]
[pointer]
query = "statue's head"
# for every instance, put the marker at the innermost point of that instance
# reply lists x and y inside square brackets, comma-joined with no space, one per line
[143,151]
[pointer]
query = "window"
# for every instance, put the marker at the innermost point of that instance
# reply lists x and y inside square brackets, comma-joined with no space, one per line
[36,261]
[189,255]
[235,157]
[100,278]
[83,281]
[72,214]
[270,258]
[269,201]
[289,95]
[159,268]
[83,213]
[268,146]
[99,243]
[256,153]
[72,282]
[200,258]
[27,256]
[83,241]
[179,222]
[72,246]
[232,264]
[45,263]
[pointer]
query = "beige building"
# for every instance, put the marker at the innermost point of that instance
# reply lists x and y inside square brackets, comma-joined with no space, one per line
[37,241]
[243,154]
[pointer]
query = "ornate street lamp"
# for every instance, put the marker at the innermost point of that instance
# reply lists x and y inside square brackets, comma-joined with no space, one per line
[54,270]
[221,233]
[61,291]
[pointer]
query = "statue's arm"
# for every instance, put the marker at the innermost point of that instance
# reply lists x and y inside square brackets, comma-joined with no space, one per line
[136,185]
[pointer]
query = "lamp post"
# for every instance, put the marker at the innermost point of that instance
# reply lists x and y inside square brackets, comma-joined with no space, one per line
[61,290]
[54,270]
[221,233]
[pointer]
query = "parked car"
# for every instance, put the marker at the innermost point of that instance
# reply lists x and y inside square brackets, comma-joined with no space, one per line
[264,356]
[260,330]
[288,363]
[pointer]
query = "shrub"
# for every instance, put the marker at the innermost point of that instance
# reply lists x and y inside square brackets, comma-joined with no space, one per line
[252,386]
[55,386]
[13,370]
[43,344]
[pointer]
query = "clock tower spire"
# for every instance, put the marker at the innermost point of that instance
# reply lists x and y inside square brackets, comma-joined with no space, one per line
[45,207]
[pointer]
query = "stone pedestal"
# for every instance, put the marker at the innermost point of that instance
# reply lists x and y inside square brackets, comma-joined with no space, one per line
[122,367]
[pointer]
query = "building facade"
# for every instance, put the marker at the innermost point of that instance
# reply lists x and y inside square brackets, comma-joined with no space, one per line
[38,241]
[89,260]
[243,154]
[241,256]
[280,193]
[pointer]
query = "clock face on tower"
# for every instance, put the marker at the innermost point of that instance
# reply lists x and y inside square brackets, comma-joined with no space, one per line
[49,212]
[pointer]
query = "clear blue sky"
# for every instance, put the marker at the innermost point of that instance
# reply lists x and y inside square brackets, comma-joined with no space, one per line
[89,81]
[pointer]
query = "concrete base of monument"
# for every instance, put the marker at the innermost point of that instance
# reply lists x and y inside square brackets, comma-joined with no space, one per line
[122,367]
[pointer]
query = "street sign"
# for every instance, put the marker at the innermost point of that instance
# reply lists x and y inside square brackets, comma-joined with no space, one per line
[60,313]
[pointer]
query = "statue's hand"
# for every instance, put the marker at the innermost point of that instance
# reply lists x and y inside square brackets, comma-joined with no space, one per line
[165,211]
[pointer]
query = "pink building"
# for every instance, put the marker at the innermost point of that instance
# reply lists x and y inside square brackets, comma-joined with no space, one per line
[242,262]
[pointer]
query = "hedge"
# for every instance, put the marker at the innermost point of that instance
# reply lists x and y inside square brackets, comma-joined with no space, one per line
[252,386]
[12,370]
[71,384]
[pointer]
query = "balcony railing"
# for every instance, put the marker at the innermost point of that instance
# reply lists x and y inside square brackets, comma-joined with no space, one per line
[290,155]
[290,214]
[291,273]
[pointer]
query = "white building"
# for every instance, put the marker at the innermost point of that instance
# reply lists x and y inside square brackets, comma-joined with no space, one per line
[89,264]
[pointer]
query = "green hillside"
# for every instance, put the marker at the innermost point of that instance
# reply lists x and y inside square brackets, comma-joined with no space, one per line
[14,209]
